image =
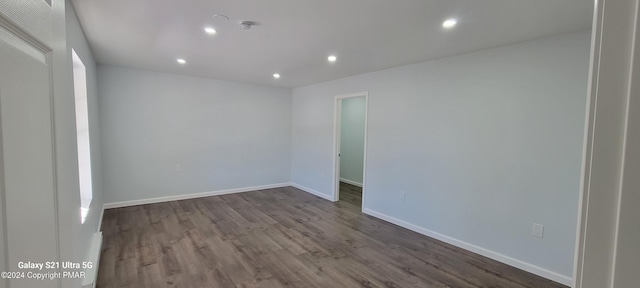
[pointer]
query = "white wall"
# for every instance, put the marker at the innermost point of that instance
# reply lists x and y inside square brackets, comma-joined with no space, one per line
[483,144]
[76,41]
[225,135]
[352,139]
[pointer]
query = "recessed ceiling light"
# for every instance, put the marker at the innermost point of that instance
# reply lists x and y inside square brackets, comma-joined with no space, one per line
[181,61]
[210,30]
[332,58]
[277,76]
[449,23]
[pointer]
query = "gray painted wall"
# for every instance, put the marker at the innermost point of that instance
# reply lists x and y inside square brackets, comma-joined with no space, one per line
[224,135]
[483,144]
[76,41]
[352,139]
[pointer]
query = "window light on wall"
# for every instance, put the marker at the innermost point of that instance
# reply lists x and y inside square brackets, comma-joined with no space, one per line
[82,129]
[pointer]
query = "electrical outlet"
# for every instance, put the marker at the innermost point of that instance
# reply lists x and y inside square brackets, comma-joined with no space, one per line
[178,167]
[402,195]
[537,230]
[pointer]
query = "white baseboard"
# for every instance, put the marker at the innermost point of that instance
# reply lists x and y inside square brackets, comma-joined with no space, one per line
[354,183]
[475,249]
[191,196]
[314,192]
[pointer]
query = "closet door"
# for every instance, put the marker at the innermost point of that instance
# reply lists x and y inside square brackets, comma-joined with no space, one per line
[27,175]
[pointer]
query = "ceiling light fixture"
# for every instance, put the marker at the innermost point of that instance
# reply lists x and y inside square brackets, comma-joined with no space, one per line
[210,30]
[277,76]
[181,61]
[332,58]
[449,23]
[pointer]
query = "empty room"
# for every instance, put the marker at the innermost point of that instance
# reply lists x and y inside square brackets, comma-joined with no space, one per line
[319,143]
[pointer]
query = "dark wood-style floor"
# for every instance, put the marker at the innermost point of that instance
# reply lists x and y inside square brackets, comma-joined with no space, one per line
[351,194]
[282,238]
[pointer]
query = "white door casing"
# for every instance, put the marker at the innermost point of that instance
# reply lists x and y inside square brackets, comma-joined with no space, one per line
[336,143]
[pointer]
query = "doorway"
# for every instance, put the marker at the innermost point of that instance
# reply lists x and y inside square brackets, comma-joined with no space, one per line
[350,146]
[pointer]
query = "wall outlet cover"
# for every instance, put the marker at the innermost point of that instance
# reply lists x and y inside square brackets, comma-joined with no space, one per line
[537,230]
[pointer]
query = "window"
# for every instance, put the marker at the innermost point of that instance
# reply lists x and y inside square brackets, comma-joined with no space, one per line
[82,129]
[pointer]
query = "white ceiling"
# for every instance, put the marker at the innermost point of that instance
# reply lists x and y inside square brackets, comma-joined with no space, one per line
[295,37]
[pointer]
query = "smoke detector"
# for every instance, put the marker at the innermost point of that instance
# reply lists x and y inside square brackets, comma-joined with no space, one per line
[246,25]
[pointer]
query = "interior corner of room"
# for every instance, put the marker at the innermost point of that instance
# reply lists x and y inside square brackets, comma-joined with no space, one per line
[489,148]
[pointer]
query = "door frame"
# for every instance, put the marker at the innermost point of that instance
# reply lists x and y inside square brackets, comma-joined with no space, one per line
[606,246]
[337,111]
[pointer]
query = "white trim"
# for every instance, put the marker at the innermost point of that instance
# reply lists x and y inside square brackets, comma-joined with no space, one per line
[100,220]
[193,195]
[354,183]
[594,210]
[91,274]
[623,161]
[587,147]
[314,192]
[10,38]
[626,276]
[336,140]
[562,279]
[336,147]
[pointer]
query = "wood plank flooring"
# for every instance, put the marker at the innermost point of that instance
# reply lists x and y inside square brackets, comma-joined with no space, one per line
[283,237]
[351,194]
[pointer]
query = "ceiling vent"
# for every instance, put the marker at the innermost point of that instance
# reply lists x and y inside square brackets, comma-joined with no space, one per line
[246,25]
